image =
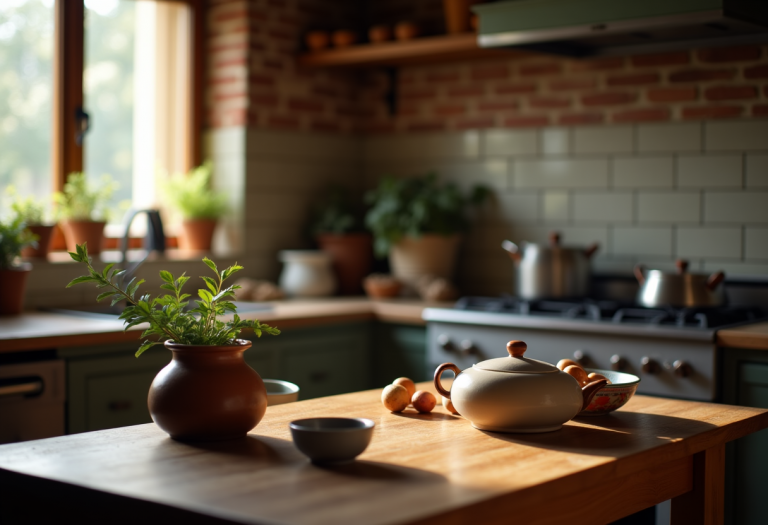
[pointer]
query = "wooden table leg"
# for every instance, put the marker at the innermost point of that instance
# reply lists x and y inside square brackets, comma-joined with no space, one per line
[704,504]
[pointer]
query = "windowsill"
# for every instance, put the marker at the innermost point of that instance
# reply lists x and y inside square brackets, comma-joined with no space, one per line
[114,256]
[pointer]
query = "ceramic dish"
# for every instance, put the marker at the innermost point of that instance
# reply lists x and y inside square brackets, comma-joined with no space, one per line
[280,392]
[328,440]
[613,396]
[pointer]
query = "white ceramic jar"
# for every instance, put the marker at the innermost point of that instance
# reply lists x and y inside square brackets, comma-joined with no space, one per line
[306,273]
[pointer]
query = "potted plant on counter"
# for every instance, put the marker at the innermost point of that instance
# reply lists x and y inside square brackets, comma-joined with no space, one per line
[33,214]
[83,210]
[207,392]
[339,232]
[200,206]
[14,237]
[417,222]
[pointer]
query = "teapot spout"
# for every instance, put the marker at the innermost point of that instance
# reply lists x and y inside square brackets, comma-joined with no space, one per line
[589,391]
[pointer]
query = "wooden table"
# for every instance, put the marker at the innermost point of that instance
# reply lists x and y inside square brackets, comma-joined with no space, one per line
[425,469]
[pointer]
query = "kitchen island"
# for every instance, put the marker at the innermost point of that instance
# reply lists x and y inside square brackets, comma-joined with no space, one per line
[419,468]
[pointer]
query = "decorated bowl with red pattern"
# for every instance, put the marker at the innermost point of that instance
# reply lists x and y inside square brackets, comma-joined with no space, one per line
[613,396]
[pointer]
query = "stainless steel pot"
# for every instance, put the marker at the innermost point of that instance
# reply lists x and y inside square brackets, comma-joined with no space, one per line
[680,289]
[550,272]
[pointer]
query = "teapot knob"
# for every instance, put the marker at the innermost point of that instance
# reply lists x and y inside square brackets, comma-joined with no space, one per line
[516,348]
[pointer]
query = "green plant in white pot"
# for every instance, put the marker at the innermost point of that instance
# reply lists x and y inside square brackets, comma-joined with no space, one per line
[14,237]
[199,205]
[83,209]
[417,221]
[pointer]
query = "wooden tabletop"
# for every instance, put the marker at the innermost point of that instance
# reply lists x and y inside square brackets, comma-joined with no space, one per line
[753,336]
[431,468]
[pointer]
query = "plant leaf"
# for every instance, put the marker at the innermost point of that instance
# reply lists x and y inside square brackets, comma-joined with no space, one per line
[210,264]
[81,279]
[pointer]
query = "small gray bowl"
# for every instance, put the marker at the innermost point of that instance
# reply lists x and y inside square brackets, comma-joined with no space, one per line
[280,392]
[328,440]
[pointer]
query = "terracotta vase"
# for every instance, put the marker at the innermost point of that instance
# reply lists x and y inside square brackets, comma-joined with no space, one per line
[207,393]
[429,254]
[13,283]
[78,232]
[44,236]
[457,16]
[352,256]
[197,234]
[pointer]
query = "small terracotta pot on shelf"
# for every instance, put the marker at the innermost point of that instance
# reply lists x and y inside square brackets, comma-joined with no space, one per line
[352,256]
[317,40]
[13,283]
[44,235]
[77,232]
[406,31]
[343,38]
[457,16]
[197,234]
[379,286]
[379,33]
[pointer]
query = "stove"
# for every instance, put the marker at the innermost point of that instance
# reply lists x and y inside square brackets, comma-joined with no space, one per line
[672,350]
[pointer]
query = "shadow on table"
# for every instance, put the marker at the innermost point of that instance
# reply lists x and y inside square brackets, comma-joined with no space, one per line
[251,449]
[375,470]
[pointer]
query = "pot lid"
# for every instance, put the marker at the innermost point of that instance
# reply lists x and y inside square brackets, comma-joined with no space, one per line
[516,362]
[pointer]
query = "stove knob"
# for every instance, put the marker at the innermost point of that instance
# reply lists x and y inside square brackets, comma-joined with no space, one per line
[469,348]
[618,363]
[445,343]
[682,369]
[650,366]
[580,357]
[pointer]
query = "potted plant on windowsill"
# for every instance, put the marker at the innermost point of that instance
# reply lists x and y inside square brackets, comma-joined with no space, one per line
[32,213]
[14,237]
[83,212]
[339,232]
[417,222]
[200,206]
[207,392]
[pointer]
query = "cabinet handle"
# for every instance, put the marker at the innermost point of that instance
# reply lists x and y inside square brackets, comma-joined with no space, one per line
[21,386]
[120,406]
[318,377]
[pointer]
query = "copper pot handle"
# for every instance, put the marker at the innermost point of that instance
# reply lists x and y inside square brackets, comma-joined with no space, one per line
[640,273]
[440,369]
[591,249]
[714,280]
[513,250]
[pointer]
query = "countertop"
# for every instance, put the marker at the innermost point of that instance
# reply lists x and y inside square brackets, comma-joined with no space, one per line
[753,336]
[419,468]
[48,330]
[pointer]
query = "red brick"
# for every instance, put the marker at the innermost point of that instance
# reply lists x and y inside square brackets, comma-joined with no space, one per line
[230,61]
[446,110]
[549,102]
[489,72]
[642,115]
[443,76]
[218,47]
[760,110]
[640,79]
[701,75]
[540,69]
[661,59]
[466,91]
[531,121]
[324,125]
[302,104]
[572,84]
[418,93]
[705,112]
[325,91]
[672,94]
[282,122]
[597,64]
[230,14]
[476,123]
[765,91]
[261,80]
[229,96]
[730,54]
[515,89]
[570,119]
[730,92]
[425,126]
[498,105]
[378,128]
[407,110]
[224,80]
[608,99]
[273,64]
[756,72]
[264,99]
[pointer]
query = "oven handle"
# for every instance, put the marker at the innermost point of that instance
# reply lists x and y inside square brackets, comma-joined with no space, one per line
[22,386]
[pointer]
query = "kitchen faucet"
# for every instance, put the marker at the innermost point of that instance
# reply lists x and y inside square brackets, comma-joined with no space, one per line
[154,240]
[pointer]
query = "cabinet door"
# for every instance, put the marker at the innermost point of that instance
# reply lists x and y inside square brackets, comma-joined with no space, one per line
[399,350]
[262,358]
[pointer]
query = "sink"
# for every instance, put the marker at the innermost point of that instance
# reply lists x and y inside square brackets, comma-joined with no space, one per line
[104,311]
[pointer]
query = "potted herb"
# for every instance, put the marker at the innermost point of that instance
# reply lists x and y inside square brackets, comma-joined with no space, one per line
[207,391]
[339,232]
[32,213]
[417,222]
[83,210]
[200,207]
[14,237]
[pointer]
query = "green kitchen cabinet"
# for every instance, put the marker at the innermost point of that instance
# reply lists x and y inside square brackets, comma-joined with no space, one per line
[399,350]
[745,383]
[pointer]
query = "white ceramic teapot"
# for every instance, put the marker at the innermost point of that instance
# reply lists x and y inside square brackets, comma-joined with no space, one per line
[516,393]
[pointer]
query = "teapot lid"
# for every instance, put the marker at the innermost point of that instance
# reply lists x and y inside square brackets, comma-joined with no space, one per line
[516,362]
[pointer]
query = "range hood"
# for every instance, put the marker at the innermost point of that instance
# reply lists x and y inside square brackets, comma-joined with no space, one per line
[587,28]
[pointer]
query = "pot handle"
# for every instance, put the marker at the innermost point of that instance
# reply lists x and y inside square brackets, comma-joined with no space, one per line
[440,369]
[588,391]
[682,266]
[640,273]
[591,249]
[554,238]
[512,249]
[714,280]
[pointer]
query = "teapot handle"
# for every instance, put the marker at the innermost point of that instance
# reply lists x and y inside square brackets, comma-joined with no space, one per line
[440,369]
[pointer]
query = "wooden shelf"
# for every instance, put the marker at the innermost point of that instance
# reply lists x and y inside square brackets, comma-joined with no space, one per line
[444,48]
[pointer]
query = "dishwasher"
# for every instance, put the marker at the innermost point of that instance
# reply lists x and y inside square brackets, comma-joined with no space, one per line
[32,399]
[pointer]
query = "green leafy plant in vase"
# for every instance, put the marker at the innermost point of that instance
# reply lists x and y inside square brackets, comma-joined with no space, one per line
[32,213]
[207,391]
[199,205]
[14,237]
[83,210]
[417,222]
